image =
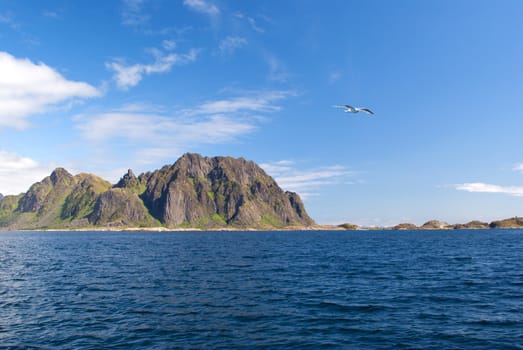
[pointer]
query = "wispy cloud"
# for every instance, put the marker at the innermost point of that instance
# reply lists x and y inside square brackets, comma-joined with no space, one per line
[231,44]
[307,182]
[489,188]
[133,13]
[278,168]
[481,187]
[251,21]
[261,102]
[518,167]
[27,88]
[17,173]
[334,76]
[169,45]
[8,19]
[127,76]
[202,6]
[277,69]
[51,14]
[254,25]
[159,129]
[160,135]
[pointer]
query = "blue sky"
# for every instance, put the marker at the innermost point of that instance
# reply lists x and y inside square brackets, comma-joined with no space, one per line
[103,86]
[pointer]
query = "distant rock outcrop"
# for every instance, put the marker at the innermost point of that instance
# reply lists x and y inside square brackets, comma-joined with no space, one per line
[348,226]
[194,192]
[516,222]
[405,226]
[472,225]
[435,225]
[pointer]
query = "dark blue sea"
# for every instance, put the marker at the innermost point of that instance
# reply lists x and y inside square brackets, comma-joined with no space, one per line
[266,290]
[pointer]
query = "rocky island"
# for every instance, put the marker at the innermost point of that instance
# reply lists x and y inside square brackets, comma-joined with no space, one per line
[194,192]
[512,223]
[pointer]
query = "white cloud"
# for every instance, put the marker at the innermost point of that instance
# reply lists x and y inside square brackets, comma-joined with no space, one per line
[202,6]
[231,44]
[27,88]
[519,167]
[277,69]
[18,173]
[335,76]
[133,13]
[254,26]
[159,135]
[51,14]
[252,22]
[160,128]
[489,188]
[307,182]
[278,168]
[262,102]
[7,19]
[127,76]
[481,187]
[169,45]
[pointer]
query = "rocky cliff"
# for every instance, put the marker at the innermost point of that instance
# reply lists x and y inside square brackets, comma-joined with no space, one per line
[195,192]
[220,191]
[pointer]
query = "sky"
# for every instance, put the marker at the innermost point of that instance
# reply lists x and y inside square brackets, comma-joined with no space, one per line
[104,86]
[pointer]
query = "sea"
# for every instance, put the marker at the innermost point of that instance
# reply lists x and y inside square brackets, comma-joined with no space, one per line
[262,290]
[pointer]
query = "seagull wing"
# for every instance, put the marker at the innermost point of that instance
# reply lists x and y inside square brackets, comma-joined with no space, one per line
[339,106]
[366,110]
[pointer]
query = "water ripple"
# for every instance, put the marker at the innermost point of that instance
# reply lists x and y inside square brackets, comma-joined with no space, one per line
[261,290]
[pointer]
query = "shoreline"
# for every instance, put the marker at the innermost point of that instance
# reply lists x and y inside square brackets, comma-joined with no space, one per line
[432,225]
[317,228]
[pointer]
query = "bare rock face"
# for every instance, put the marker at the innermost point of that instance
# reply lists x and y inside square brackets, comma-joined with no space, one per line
[298,206]
[117,207]
[222,191]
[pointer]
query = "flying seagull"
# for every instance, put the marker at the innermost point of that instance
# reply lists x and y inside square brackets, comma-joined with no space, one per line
[350,109]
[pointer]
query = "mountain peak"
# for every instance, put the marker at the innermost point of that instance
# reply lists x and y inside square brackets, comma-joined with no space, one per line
[129,180]
[189,155]
[220,191]
[60,175]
